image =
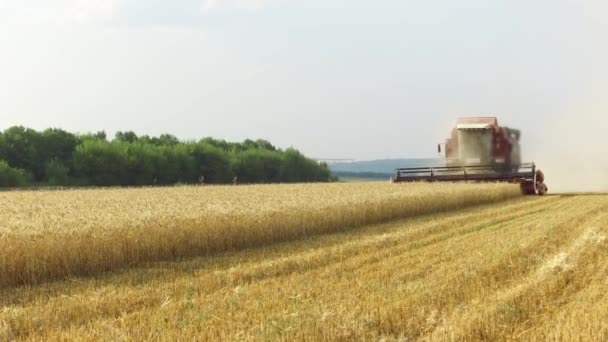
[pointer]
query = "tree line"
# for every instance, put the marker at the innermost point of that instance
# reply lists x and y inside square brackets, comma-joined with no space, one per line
[59,158]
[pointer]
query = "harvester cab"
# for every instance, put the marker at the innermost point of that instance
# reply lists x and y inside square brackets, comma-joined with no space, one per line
[480,150]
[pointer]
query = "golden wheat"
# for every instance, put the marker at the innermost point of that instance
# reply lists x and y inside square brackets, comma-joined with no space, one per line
[48,235]
[525,269]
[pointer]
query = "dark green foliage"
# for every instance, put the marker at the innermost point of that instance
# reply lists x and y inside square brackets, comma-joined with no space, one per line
[297,168]
[246,145]
[57,173]
[177,165]
[212,163]
[129,136]
[56,157]
[162,140]
[97,162]
[258,166]
[21,148]
[28,149]
[58,145]
[11,177]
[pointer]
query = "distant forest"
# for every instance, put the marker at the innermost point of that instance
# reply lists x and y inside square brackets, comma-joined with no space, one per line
[58,158]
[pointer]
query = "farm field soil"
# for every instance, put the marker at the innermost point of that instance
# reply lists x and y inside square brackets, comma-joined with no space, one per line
[528,268]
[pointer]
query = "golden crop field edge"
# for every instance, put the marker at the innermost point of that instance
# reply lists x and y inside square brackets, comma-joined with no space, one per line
[51,254]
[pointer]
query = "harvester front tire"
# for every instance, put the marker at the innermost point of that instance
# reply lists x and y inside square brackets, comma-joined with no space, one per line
[540,176]
[542,189]
[528,188]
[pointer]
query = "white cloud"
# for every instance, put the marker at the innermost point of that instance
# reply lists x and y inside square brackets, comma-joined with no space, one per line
[124,13]
[211,5]
[55,13]
[256,72]
[87,10]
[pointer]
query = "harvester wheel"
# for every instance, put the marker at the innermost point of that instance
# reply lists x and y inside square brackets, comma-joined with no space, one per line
[528,188]
[532,188]
[540,176]
[541,189]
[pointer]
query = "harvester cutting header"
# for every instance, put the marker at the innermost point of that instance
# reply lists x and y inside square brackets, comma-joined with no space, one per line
[480,150]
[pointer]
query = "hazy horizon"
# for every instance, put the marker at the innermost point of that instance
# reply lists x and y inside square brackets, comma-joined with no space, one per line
[335,79]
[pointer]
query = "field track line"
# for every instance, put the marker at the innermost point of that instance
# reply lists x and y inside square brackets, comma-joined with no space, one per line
[567,249]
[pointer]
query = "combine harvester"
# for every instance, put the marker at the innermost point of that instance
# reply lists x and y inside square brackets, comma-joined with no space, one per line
[479,150]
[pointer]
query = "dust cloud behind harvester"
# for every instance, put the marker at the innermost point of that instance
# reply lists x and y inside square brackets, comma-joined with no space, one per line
[574,151]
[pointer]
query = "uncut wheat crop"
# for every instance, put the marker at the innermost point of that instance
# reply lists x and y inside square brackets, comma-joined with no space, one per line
[47,235]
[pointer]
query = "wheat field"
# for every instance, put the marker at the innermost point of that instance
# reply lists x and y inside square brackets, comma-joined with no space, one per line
[46,235]
[525,268]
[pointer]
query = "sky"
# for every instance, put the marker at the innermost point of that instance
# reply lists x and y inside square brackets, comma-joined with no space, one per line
[333,78]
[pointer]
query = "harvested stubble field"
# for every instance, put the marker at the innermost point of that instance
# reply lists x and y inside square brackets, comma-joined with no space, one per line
[523,268]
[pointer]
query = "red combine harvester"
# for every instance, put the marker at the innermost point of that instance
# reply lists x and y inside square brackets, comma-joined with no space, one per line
[480,150]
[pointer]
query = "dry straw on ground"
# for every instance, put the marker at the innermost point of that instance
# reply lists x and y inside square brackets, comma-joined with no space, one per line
[46,235]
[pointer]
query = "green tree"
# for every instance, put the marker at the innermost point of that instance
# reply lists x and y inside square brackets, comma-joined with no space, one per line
[297,168]
[30,150]
[57,157]
[19,148]
[177,165]
[101,135]
[212,163]
[128,136]
[56,145]
[12,177]
[258,166]
[57,173]
[99,162]
[167,140]
[144,163]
